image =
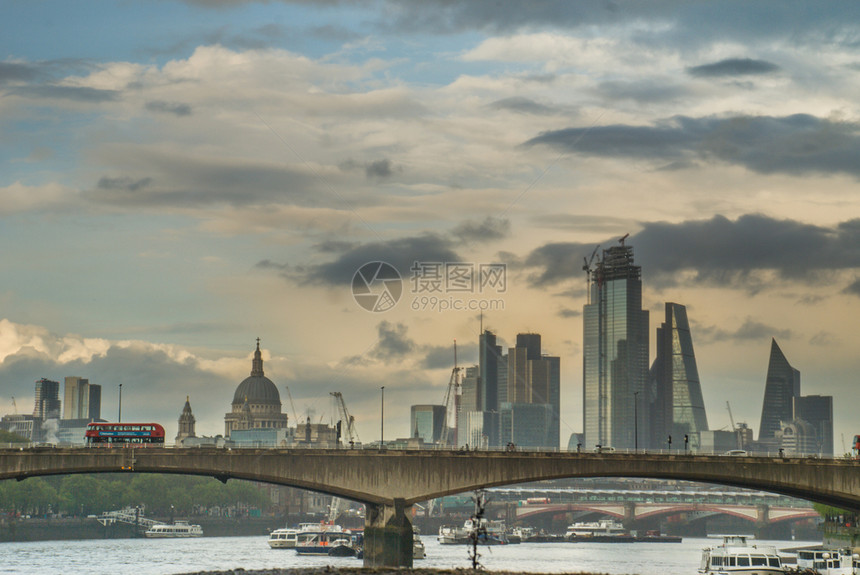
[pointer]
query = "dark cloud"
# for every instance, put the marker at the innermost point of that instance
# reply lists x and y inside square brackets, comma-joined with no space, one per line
[568,313]
[853,288]
[718,252]
[378,169]
[643,91]
[733,67]
[73,93]
[799,144]
[195,181]
[401,253]
[750,330]
[15,72]
[174,108]
[488,230]
[522,106]
[442,356]
[124,183]
[334,246]
[394,344]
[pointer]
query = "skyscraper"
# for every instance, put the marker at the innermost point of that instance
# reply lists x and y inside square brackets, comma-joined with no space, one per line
[81,399]
[615,354]
[529,410]
[817,410]
[781,387]
[489,354]
[677,406]
[47,400]
[427,421]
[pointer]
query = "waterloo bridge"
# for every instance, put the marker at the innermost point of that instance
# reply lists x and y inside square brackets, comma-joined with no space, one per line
[390,482]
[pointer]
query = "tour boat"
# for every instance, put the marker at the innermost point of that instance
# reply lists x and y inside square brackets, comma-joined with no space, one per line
[488,533]
[322,542]
[283,538]
[178,529]
[737,557]
[827,561]
[603,529]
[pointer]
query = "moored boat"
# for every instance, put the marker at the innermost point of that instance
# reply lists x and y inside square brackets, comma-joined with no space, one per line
[177,529]
[603,529]
[823,561]
[738,557]
[283,538]
[418,550]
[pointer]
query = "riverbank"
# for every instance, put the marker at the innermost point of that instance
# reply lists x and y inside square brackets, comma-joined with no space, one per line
[76,528]
[361,571]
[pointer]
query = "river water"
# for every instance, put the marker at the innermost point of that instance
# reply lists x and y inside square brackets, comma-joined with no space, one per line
[171,556]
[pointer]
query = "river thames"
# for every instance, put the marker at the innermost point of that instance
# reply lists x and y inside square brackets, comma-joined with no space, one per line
[171,556]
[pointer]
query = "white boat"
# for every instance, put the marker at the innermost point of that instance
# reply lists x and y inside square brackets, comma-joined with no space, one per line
[827,561]
[489,532]
[283,538]
[738,557]
[323,539]
[602,528]
[177,529]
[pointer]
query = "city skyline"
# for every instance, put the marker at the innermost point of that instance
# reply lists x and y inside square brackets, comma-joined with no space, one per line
[170,192]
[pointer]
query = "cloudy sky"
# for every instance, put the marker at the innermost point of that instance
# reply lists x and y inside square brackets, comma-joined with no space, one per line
[180,178]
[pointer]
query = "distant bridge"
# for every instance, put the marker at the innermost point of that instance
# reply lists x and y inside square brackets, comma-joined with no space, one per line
[634,511]
[390,482]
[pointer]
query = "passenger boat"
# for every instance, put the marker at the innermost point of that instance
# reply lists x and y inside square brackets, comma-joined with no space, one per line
[827,561]
[605,528]
[488,532]
[342,547]
[283,538]
[177,529]
[737,557]
[322,541]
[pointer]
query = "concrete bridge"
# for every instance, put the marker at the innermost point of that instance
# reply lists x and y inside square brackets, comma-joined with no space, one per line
[390,482]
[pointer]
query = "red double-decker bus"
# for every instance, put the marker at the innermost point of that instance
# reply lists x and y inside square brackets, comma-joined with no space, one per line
[125,434]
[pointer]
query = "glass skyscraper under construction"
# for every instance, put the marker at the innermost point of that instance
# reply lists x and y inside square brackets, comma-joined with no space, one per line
[615,351]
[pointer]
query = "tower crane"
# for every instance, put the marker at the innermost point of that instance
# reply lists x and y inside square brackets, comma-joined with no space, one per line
[348,421]
[731,418]
[452,396]
[292,405]
[14,405]
[347,426]
[587,269]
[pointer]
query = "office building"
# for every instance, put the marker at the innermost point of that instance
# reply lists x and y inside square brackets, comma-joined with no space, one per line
[796,437]
[81,399]
[470,389]
[428,422]
[615,349]
[526,424]
[781,387]
[47,400]
[677,407]
[488,359]
[817,410]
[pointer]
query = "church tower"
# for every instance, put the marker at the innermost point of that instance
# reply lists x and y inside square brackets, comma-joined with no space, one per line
[186,422]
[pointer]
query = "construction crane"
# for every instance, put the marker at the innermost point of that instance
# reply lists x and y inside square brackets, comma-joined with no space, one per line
[347,426]
[452,399]
[347,421]
[14,405]
[292,405]
[586,267]
[731,418]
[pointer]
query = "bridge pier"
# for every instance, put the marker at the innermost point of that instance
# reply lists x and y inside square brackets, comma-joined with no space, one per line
[387,535]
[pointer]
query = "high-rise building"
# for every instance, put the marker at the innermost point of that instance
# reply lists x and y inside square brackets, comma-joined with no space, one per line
[47,400]
[488,359]
[470,389]
[817,410]
[427,422]
[676,404]
[533,380]
[81,399]
[615,354]
[781,387]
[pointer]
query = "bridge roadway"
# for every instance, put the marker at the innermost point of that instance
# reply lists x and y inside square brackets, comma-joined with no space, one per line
[389,482]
